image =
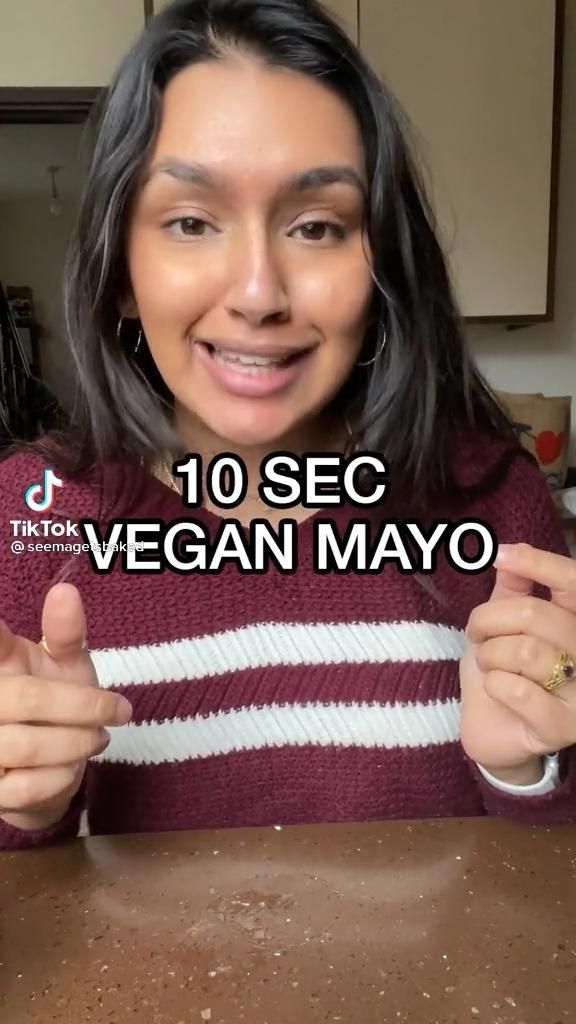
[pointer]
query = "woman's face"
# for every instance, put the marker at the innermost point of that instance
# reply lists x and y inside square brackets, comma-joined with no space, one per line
[246,251]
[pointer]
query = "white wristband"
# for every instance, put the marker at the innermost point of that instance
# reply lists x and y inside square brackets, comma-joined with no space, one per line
[547,783]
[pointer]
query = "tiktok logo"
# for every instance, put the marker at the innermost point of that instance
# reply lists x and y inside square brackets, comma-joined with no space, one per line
[39,497]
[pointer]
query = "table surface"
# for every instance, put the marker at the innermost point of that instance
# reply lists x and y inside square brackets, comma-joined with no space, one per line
[440,922]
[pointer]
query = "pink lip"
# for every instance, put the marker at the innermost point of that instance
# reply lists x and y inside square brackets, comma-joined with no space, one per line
[261,384]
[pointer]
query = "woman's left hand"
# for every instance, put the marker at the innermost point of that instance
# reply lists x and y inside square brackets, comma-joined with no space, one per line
[509,720]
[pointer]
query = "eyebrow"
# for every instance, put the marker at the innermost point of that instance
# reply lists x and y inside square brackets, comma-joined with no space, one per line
[305,181]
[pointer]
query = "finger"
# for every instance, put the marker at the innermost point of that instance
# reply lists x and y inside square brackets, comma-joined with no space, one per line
[64,624]
[29,789]
[523,616]
[549,724]
[48,701]
[35,746]
[519,655]
[7,642]
[12,656]
[557,572]
[509,585]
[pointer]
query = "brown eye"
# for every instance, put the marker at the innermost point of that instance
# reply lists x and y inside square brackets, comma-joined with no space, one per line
[191,227]
[320,231]
[315,231]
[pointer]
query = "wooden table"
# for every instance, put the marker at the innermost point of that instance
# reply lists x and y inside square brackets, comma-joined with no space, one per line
[428,923]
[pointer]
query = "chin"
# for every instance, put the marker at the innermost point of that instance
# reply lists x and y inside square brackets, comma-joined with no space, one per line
[257,432]
[245,438]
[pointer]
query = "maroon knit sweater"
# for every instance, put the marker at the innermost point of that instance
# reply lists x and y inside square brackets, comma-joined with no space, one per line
[274,699]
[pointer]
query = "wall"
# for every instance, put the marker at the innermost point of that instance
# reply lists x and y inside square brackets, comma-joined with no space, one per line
[33,242]
[32,251]
[27,150]
[543,357]
[65,42]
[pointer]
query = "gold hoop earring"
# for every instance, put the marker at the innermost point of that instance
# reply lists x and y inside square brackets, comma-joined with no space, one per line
[119,334]
[370,362]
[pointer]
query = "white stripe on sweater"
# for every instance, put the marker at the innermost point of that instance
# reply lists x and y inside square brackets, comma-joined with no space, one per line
[270,643]
[383,726]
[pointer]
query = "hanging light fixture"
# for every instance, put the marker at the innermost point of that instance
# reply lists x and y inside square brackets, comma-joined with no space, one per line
[55,204]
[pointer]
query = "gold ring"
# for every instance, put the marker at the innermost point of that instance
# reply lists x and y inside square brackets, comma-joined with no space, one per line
[44,644]
[564,671]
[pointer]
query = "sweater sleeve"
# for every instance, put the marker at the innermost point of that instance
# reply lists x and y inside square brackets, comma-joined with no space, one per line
[25,577]
[554,805]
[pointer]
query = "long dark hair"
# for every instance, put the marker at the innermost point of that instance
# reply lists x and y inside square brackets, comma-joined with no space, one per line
[422,387]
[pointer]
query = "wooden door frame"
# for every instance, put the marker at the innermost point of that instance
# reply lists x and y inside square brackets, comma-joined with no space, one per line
[59,105]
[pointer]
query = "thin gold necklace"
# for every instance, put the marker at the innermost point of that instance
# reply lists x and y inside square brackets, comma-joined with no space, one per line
[168,478]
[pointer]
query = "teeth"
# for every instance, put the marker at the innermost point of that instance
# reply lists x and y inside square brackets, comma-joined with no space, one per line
[247,360]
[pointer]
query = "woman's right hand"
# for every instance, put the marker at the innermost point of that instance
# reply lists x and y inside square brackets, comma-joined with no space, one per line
[53,715]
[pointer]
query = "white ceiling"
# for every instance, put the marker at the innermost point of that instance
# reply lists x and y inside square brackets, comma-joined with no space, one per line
[26,151]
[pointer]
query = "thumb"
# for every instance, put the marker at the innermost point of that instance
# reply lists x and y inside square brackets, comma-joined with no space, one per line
[64,624]
[508,584]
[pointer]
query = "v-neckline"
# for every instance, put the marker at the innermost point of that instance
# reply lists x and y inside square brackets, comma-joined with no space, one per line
[215,522]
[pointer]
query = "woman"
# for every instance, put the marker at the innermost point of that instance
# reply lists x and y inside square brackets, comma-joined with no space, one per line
[254,269]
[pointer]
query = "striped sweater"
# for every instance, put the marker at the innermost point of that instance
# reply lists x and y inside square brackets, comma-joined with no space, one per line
[272,699]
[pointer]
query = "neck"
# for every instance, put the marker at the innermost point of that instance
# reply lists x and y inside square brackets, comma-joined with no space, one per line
[325,433]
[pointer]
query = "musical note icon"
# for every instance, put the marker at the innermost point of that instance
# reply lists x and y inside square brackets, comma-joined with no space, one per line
[39,497]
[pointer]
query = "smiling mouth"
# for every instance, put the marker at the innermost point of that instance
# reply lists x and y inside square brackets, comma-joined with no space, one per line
[253,362]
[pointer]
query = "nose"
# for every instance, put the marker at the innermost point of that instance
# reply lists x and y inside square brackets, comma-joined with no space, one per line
[258,294]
